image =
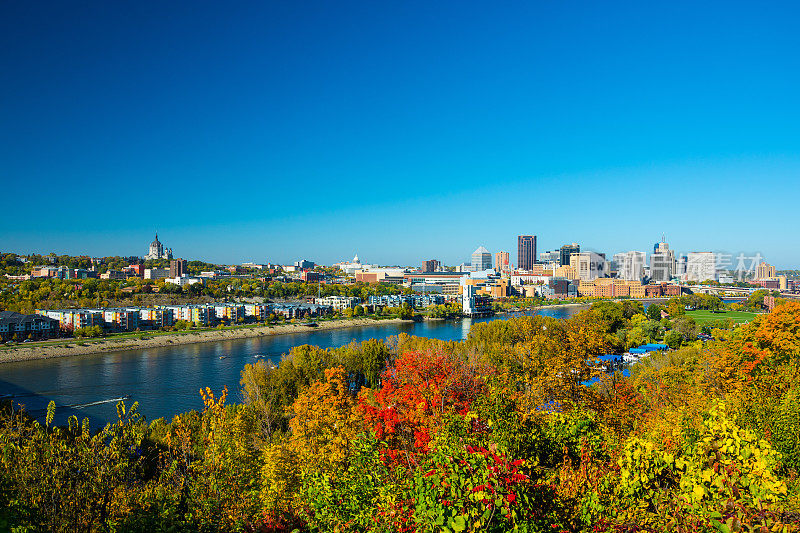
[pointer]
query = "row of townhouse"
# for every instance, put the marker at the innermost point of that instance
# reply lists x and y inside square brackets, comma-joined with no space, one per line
[202,315]
[133,318]
[71,319]
[115,319]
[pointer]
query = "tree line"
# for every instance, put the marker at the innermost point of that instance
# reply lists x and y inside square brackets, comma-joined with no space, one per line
[516,428]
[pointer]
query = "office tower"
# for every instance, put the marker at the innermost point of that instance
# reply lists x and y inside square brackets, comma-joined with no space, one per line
[630,265]
[662,263]
[501,261]
[566,252]
[481,259]
[526,251]
[589,265]
[550,257]
[701,266]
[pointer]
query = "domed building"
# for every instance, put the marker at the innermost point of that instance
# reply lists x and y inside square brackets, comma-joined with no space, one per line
[157,250]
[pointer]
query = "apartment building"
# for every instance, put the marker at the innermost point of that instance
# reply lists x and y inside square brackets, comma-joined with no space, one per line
[338,303]
[71,319]
[18,326]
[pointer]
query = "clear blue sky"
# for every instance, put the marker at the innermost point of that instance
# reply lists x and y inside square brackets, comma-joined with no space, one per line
[402,131]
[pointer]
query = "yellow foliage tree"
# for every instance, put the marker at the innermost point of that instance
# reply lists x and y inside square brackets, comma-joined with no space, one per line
[324,424]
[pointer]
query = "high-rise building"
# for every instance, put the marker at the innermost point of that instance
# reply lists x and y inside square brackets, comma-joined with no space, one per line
[501,261]
[431,265]
[701,266]
[681,267]
[589,265]
[765,271]
[526,251]
[177,268]
[481,259]
[566,252]
[662,263]
[630,265]
[550,257]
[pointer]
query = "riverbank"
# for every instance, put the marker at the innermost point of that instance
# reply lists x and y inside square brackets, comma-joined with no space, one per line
[70,347]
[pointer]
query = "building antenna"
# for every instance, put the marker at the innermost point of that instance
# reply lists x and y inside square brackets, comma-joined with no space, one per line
[663,238]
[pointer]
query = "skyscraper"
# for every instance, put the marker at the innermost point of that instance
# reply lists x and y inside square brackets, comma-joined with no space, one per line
[765,271]
[501,261]
[630,265]
[526,251]
[589,265]
[481,259]
[662,263]
[567,250]
[701,266]
[550,257]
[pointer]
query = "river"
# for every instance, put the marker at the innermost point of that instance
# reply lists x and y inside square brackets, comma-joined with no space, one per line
[167,380]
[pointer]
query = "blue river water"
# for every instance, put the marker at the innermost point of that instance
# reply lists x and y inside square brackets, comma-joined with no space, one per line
[166,381]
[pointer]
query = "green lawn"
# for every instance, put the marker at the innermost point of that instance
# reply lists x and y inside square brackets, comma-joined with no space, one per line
[704,317]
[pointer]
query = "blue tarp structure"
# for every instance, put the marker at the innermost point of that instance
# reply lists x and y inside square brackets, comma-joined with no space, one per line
[646,348]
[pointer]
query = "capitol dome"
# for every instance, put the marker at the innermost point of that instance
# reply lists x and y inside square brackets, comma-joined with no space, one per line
[355,259]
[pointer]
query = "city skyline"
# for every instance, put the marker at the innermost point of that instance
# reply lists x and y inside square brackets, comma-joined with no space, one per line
[604,125]
[734,260]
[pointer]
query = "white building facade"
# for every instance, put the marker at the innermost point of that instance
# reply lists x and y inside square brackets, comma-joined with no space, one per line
[630,265]
[701,266]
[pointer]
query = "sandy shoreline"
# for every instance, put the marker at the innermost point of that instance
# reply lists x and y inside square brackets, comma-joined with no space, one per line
[93,346]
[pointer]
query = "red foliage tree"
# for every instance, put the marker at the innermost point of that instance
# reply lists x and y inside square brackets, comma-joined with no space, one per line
[414,394]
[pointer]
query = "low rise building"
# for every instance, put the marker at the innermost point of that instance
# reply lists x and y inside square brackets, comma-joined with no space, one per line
[309,276]
[258,312]
[338,303]
[183,281]
[114,274]
[20,327]
[201,315]
[119,319]
[155,318]
[414,300]
[156,273]
[559,288]
[72,319]
[229,312]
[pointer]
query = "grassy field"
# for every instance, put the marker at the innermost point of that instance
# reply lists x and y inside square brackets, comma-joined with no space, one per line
[704,317]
